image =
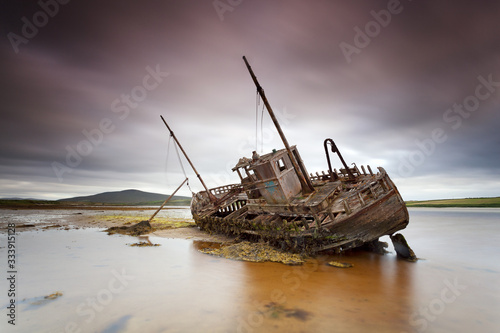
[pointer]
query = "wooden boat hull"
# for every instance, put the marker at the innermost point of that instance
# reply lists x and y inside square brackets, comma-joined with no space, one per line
[369,209]
[383,217]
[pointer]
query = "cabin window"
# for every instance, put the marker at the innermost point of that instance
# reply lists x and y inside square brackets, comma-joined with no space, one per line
[281,164]
[253,175]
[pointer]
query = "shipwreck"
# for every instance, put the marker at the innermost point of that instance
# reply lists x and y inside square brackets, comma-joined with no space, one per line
[279,202]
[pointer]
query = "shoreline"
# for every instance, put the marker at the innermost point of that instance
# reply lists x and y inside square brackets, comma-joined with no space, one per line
[105,217]
[67,217]
[490,202]
[85,207]
[451,203]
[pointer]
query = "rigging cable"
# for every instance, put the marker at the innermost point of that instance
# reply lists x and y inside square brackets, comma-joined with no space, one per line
[257,102]
[258,99]
[261,130]
[166,158]
[180,161]
[182,166]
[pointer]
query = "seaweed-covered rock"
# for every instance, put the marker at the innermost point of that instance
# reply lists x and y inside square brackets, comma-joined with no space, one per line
[256,252]
[340,264]
[140,228]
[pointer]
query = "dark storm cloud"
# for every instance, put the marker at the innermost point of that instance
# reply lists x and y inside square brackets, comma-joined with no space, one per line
[381,105]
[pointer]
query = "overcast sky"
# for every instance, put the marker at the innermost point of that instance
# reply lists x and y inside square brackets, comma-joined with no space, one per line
[411,86]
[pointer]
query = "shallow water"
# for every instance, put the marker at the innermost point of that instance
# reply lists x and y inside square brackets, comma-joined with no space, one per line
[108,286]
[44,216]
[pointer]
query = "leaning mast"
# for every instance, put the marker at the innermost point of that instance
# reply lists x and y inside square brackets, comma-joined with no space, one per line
[305,182]
[190,163]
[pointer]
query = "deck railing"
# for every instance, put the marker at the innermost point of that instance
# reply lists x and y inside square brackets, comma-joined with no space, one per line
[366,195]
[224,189]
[342,173]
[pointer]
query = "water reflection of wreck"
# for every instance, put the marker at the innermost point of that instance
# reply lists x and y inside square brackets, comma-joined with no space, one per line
[278,201]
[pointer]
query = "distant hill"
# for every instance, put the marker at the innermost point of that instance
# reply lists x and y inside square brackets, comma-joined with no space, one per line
[131,197]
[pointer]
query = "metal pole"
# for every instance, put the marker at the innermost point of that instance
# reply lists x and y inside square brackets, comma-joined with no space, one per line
[211,196]
[305,182]
[336,150]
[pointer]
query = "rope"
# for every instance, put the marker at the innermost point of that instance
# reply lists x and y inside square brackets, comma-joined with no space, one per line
[257,125]
[180,161]
[166,158]
[182,167]
[257,102]
[261,131]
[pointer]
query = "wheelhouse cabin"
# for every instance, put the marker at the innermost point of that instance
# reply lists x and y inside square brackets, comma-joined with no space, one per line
[270,177]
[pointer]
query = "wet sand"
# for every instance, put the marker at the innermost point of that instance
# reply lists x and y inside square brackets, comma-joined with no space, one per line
[194,234]
[76,217]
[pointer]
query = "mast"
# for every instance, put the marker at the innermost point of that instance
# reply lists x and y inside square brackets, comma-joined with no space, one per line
[210,195]
[305,182]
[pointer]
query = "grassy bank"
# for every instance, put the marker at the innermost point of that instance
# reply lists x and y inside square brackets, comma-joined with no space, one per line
[469,202]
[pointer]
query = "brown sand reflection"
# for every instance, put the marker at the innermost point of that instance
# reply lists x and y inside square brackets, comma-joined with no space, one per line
[376,292]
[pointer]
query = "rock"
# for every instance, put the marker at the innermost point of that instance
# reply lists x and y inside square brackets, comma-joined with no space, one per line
[375,246]
[255,252]
[140,228]
[142,244]
[54,295]
[402,248]
[25,225]
[340,264]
